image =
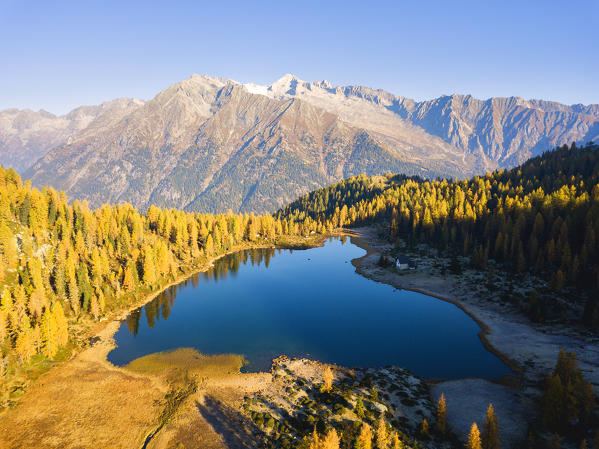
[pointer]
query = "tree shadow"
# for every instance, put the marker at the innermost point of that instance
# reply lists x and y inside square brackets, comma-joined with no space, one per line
[237,431]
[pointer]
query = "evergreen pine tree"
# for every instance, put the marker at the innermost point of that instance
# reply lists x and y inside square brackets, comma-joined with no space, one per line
[359,408]
[490,435]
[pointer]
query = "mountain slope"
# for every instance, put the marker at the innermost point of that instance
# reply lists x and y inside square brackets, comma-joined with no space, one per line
[501,132]
[25,135]
[209,145]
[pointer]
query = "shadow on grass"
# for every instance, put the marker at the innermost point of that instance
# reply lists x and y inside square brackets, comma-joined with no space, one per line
[236,430]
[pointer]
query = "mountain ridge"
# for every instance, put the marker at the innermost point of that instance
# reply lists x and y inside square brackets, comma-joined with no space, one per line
[210,144]
[26,135]
[236,148]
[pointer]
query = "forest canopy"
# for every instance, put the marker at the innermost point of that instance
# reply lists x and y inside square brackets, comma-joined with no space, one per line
[540,218]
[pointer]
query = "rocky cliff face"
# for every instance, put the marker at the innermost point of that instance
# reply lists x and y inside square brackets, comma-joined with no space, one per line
[209,144]
[499,132]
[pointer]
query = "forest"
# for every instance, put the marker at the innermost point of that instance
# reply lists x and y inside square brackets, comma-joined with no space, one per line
[541,218]
[63,264]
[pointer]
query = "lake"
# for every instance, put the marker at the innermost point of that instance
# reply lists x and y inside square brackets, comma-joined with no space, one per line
[307,303]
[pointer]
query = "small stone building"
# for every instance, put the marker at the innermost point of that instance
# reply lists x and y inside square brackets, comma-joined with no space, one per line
[404,263]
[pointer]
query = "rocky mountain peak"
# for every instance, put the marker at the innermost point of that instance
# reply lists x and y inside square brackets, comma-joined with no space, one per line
[210,144]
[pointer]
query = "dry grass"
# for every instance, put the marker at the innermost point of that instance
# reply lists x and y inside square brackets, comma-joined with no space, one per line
[170,363]
[82,404]
[86,402]
[89,403]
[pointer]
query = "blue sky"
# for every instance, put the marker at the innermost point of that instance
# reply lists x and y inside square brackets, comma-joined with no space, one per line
[58,55]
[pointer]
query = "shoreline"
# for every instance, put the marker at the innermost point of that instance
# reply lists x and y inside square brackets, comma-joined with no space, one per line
[361,241]
[90,375]
[529,349]
[96,329]
[503,328]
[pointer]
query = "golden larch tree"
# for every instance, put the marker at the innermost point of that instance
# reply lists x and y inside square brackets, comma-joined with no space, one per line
[364,439]
[442,414]
[490,435]
[49,334]
[327,379]
[382,435]
[474,438]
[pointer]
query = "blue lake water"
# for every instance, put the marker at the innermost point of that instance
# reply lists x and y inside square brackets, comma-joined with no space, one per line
[310,303]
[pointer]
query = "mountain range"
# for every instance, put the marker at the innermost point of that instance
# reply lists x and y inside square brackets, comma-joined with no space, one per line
[210,144]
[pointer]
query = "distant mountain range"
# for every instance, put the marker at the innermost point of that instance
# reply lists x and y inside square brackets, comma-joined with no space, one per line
[209,144]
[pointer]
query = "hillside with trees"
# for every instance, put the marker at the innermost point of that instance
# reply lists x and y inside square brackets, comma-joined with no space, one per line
[63,265]
[541,218]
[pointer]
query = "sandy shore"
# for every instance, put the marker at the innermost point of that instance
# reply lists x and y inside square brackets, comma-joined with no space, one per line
[529,349]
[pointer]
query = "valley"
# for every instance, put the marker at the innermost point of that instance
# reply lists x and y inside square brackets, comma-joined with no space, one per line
[231,408]
[180,315]
[299,225]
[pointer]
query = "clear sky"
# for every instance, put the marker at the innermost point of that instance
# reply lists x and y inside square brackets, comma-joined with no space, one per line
[58,55]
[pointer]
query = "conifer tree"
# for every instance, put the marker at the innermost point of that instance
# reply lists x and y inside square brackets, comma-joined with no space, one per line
[381,434]
[149,276]
[359,408]
[327,380]
[424,428]
[62,325]
[95,307]
[331,440]
[4,331]
[374,395]
[25,344]
[209,247]
[8,245]
[364,438]
[130,277]
[49,334]
[442,414]
[37,302]
[396,442]
[490,435]
[474,438]
[74,298]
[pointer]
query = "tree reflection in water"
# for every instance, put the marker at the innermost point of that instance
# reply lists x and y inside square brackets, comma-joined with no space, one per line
[160,307]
